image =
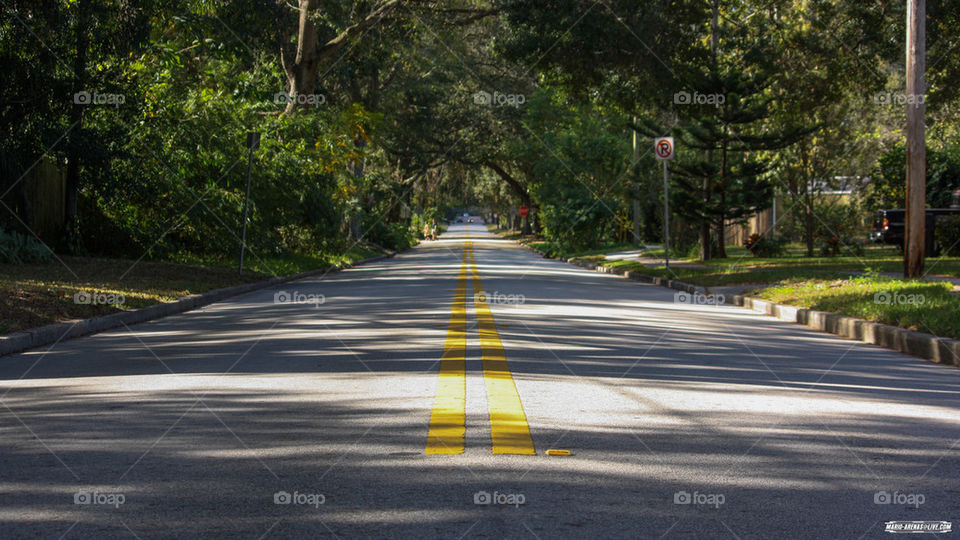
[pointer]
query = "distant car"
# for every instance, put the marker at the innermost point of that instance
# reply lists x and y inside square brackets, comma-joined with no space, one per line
[470,220]
[889,227]
[459,220]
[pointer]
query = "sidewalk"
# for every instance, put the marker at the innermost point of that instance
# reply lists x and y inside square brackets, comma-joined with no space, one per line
[648,262]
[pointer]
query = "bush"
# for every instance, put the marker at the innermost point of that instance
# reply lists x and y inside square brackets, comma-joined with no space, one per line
[762,246]
[394,236]
[16,248]
[948,235]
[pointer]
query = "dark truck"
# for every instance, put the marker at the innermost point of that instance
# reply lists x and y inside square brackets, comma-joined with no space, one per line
[888,227]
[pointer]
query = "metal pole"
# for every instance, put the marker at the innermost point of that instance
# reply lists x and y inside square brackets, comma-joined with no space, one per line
[636,221]
[773,226]
[243,237]
[636,185]
[666,216]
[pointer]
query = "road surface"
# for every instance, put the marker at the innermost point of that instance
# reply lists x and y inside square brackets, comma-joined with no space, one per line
[418,397]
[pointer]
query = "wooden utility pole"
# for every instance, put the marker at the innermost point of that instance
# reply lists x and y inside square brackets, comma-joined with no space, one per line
[636,186]
[914,249]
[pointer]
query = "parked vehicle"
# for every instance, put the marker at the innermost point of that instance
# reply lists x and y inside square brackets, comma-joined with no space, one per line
[889,226]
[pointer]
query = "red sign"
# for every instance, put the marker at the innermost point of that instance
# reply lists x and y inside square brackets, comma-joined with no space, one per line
[664,148]
[524,211]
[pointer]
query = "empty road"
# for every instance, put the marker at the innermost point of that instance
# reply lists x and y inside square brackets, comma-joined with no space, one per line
[418,397]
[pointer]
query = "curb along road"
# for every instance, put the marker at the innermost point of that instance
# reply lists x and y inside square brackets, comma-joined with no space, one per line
[925,346]
[52,333]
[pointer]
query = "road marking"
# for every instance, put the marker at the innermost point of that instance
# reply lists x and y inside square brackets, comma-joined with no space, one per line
[508,422]
[447,422]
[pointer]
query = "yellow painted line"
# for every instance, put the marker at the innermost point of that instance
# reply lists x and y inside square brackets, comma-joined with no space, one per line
[447,421]
[508,422]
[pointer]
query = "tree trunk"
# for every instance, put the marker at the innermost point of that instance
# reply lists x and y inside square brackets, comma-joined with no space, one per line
[519,189]
[721,238]
[706,251]
[82,41]
[721,226]
[302,75]
[525,230]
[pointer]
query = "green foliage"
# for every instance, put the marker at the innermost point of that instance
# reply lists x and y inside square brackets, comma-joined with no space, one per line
[399,138]
[915,305]
[17,248]
[948,235]
[763,246]
[943,177]
[580,177]
[840,229]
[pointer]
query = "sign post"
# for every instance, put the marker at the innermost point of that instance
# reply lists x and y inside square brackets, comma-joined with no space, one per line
[524,211]
[253,142]
[663,148]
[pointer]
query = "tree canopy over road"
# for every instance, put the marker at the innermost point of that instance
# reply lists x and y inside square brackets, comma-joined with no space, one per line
[378,116]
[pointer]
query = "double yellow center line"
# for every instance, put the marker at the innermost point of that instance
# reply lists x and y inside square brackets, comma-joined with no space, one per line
[509,430]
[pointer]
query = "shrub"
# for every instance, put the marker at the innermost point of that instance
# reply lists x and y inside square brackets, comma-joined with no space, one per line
[16,248]
[394,236]
[762,246]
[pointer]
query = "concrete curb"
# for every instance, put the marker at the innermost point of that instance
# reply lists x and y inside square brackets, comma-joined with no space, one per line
[53,333]
[925,346]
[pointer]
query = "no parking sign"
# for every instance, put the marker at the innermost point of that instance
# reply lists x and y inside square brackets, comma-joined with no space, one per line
[663,147]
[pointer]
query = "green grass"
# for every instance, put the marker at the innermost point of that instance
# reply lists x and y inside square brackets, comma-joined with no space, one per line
[286,264]
[927,307]
[834,284]
[33,295]
[587,254]
[512,234]
[731,275]
[741,267]
[538,242]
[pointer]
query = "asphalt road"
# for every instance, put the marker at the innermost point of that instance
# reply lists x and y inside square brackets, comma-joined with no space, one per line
[259,417]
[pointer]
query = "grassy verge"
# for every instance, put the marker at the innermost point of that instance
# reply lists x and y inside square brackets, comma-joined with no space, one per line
[833,284]
[512,234]
[538,242]
[915,305]
[740,267]
[33,295]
